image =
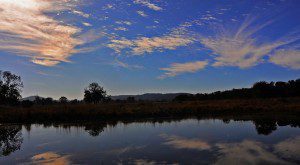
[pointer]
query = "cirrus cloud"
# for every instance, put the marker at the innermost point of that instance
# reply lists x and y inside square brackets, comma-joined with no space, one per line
[178,37]
[241,47]
[27,30]
[180,68]
[286,58]
[148,4]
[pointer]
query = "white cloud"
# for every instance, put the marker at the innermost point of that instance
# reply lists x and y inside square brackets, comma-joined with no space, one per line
[80,13]
[86,24]
[121,29]
[240,47]
[286,58]
[27,31]
[142,13]
[128,23]
[109,6]
[148,4]
[180,68]
[178,37]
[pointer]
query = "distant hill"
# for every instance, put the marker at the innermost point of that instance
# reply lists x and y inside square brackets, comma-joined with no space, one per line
[31,98]
[147,96]
[150,96]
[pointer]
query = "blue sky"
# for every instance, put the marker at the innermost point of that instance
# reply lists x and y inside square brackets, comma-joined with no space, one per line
[146,46]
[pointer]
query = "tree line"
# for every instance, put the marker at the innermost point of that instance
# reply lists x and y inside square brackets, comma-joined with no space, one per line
[260,89]
[11,87]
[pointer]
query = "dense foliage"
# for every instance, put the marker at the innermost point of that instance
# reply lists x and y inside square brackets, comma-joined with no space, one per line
[94,93]
[258,90]
[10,88]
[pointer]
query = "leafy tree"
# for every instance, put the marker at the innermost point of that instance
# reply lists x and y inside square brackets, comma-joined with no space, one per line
[10,139]
[49,101]
[130,99]
[260,89]
[75,101]
[63,100]
[94,93]
[10,88]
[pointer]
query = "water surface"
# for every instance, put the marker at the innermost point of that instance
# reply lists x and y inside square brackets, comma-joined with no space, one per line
[188,141]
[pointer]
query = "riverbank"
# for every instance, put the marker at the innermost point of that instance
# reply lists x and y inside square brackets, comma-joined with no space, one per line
[273,108]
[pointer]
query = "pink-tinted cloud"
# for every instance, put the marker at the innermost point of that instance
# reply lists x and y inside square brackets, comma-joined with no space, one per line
[27,30]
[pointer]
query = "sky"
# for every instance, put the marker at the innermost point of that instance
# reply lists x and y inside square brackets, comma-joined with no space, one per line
[58,47]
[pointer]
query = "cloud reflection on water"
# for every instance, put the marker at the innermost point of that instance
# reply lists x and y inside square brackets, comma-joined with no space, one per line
[49,158]
[246,152]
[184,143]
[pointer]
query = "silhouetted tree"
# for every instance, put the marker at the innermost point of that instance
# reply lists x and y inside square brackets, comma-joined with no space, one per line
[48,101]
[10,88]
[130,99]
[27,103]
[75,101]
[63,100]
[38,100]
[94,93]
[260,89]
[10,139]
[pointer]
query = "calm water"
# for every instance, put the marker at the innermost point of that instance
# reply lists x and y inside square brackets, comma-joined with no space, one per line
[188,141]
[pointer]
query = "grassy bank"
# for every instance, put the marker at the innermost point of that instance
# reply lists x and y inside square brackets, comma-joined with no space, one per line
[274,108]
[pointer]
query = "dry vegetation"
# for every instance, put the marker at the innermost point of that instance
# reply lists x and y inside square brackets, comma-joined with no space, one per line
[287,107]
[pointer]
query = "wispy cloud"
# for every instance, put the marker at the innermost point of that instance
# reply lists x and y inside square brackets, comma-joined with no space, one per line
[241,47]
[289,148]
[148,4]
[180,68]
[80,13]
[119,63]
[246,152]
[121,29]
[86,24]
[178,37]
[48,74]
[120,151]
[128,23]
[50,158]
[148,162]
[26,29]
[286,58]
[142,13]
[184,143]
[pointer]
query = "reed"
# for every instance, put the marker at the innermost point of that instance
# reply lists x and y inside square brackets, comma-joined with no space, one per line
[113,110]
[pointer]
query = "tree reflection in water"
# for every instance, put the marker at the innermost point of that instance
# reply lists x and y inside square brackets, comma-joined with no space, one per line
[95,129]
[11,136]
[10,139]
[265,127]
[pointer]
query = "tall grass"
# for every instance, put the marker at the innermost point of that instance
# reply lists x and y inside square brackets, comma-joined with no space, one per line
[106,111]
